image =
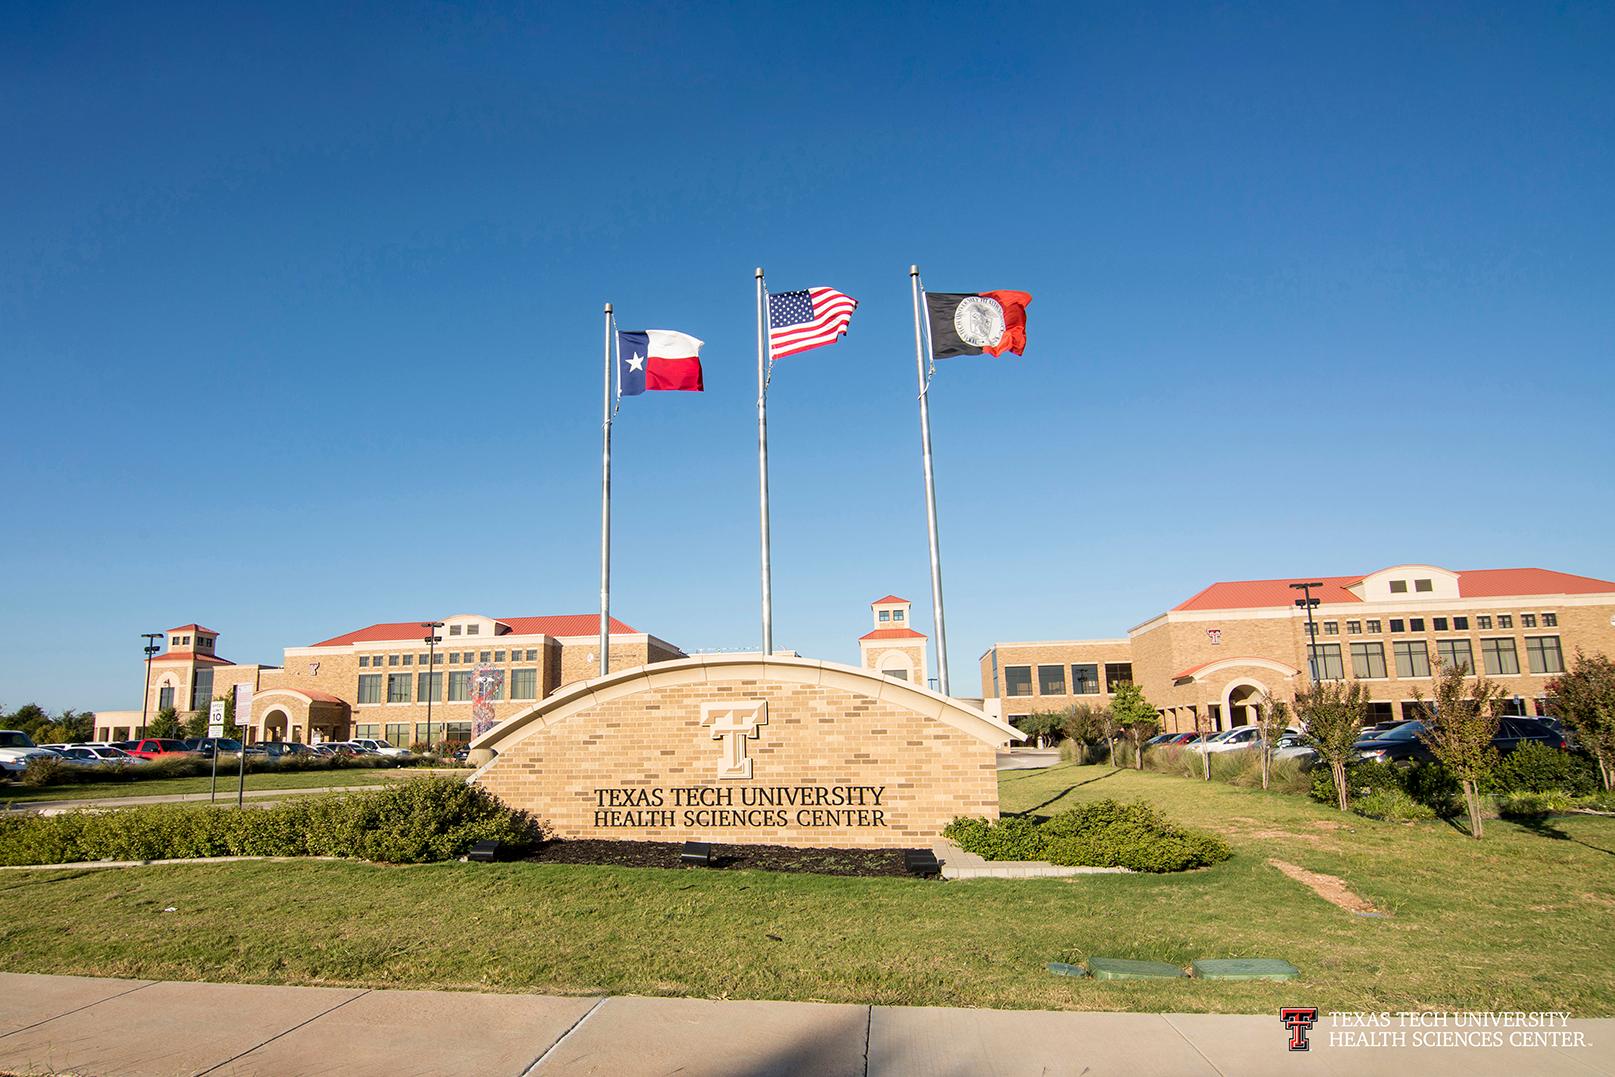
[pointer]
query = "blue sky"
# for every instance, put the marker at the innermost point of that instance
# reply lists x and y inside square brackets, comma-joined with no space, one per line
[299,311]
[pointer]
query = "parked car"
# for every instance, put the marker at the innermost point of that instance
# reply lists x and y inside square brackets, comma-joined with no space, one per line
[462,753]
[1370,731]
[16,749]
[83,755]
[274,750]
[1293,746]
[375,746]
[1402,744]
[158,748]
[207,747]
[1241,736]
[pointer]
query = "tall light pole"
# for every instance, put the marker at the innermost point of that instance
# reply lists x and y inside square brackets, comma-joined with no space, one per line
[151,639]
[431,641]
[1308,603]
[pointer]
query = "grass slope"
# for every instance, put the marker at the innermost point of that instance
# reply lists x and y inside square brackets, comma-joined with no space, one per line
[1519,921]
[302,779]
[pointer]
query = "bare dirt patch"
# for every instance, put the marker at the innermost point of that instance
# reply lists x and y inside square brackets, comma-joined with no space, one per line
[1332,889]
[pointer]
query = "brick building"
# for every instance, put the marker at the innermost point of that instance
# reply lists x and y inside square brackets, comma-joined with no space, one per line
[1210,657]
[375,682]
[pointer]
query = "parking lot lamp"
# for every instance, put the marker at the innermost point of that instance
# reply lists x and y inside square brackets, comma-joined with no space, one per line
[151,639]
[432,639]
[1308,603]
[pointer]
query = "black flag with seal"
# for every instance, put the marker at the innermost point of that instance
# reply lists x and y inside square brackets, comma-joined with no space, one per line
[976,323]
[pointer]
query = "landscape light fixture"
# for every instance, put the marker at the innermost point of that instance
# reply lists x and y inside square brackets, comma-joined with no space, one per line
[1308,603]
[432,639]
[921,862]
[696,854]
[485,851]
[151,639]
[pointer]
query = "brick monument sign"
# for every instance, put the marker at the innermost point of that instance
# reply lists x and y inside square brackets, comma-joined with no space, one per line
[745,749]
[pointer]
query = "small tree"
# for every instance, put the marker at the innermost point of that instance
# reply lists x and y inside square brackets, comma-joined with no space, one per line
[166,724]
[1041,726]
[195,724]
[1459,731]
[1202,728]
[1333,714]
[1272,715]
[1109,729]
[1136,717]
[1584,699]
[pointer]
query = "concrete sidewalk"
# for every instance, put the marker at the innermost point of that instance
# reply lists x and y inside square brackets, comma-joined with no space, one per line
[78,1025]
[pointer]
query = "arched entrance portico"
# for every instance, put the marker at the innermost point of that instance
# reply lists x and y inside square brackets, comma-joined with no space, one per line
[1241,700]
[276,724]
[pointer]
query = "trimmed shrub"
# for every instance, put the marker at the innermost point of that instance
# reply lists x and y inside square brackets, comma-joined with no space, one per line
[412,822]
[1102,833]
[1393,806]
[1537,768]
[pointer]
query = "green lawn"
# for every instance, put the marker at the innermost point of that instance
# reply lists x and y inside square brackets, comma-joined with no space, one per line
[299,779]
[1519,921]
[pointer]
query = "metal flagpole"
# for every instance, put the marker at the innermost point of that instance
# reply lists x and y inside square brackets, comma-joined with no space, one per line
[762,464]
[930,485]
[605,505]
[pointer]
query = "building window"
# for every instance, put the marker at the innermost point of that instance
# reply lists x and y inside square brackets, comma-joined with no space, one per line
[1399,587]
[1309,628]
[1326,661]
[1397,624]
[472,630]
[409,660]
[1439,624]
[457,732]
[1527,620]
[1017,680]
[1374,626]
[524,684]
[1368,660]
[1354,627]
[1414,711]
[454,630]
[1416,624]
[1512,705]
[459,685]
[165,697]
[369,688]
[485,656]
[1483,621]
[367,730]
[1412,658]
[499,656]
[1117,674]
[532,656]
[1550,620]
[1423,585]
[398,734]
[202,690]
[1501,659]
[1505,620]
[897,615]
[397,688]
[1455,653]
[885,615]
[1051,680]
[1460,624]
[364,660]
[1542,654]
[429,686]
[1331,628]
[392,660]
[1085,679]
[1379,711]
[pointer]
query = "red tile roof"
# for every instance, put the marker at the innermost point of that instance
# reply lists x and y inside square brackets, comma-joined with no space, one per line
[893,633]
[198,628]
[193,656]
[1474,583]
[888,600]
[1258,594]
[572,624]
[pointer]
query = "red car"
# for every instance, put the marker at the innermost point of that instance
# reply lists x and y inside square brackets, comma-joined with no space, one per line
[156,748]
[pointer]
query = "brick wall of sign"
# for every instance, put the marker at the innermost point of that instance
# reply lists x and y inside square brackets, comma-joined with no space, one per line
[833,765]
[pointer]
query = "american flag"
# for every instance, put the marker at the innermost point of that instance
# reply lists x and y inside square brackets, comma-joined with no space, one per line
[812,318]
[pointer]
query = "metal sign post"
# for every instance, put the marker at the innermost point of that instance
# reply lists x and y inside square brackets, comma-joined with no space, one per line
[215,730]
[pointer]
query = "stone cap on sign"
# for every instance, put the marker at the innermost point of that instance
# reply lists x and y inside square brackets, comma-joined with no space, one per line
[728,668]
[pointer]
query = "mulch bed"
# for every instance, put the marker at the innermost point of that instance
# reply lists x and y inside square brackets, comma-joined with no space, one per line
[665,854]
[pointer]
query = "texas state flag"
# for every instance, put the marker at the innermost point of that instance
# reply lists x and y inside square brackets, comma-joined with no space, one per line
[657,359]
